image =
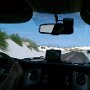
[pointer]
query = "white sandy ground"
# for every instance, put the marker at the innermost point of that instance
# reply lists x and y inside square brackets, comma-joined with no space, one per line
[16,51]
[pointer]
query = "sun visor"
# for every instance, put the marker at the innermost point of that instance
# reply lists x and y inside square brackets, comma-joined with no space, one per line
[14,11]
[85,11]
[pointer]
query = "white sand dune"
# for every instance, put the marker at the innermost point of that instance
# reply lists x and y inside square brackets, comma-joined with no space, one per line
[16,51]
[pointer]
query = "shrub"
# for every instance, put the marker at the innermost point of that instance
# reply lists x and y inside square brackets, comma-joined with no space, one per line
[32,44]
[16,38]
[3,43]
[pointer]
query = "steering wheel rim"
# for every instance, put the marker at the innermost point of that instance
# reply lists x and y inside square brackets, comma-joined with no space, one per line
[11,62]
[5,56]
[4,67]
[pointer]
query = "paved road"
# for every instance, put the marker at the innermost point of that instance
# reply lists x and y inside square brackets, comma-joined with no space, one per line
[75,57]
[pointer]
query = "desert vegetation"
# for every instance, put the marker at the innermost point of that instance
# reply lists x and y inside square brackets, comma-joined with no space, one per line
[17,39]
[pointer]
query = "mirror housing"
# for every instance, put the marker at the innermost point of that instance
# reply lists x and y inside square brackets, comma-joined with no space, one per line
[58,28]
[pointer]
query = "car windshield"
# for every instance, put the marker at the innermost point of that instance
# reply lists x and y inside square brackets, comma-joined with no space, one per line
[24,40]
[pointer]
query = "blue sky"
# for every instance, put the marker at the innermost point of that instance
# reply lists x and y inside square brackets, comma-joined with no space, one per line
[80,37]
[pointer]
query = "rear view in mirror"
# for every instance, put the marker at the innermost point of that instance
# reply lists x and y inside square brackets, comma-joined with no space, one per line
[57,28]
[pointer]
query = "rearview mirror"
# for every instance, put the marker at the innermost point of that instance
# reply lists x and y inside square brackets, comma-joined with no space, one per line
[57,28]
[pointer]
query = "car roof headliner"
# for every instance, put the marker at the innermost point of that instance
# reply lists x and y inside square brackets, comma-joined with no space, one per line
[56,6]
[18,11]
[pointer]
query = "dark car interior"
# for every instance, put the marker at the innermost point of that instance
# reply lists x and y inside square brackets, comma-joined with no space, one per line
[51,73]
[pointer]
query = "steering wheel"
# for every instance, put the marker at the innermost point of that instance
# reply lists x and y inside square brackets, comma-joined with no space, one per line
[5,63]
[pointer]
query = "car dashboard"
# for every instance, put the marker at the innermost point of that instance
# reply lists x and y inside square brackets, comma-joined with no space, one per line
[43,74]
[49,75]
